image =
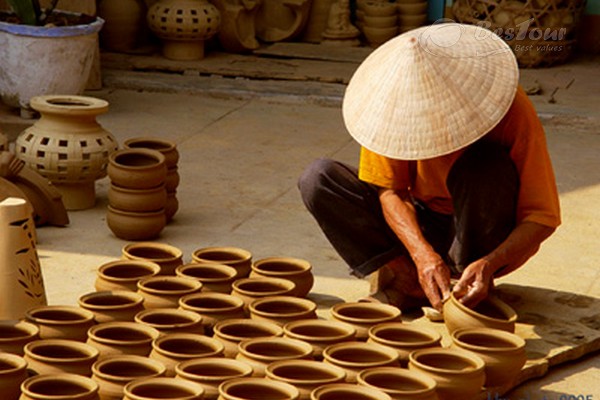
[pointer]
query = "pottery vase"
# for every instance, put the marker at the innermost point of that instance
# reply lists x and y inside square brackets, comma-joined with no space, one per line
[124,24]
[53,356]
[22,285]
[294,269]
[68,146]
[170,320]
[167,256]
[458,374]
[489,313]
[124,274]
[231,332]
[210,372]
[122,338]
[137,168]
[183,26]
[162,388]
[165,291]
[260,352]
[213,307]
[282,309]
[502,352]
[257,388]
[235,257]
[15,334]
[399,383]
[319,333]
[363,316]
[61,322]
[112,374]
[59,386]
[214,277]
[13,371]
[354,357]
[305,375]
[171,349]
[250,289]
[109,306]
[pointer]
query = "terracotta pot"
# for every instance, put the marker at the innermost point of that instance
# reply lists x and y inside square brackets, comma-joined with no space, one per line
[305,375]
[124,274]
[412,8]
[404,338]
[294,269]
[165,255]
[172,205]
[137,200]
[214,277]
[112,374]
[380,21]
[172,180]
[166,147]
[490,313]
[170,320]
[337,391]
[459,374]
[260,352]
[122,338]
[399,383]
[235,257]
[282,309]
[174,348]
[162,388]
[165,291]
[257,388]
[13,371]
[353,357]
[132,225]
[213,307]
[377,36]
[61,322]
[319,333]
[109,306]
[250,289]
[233,331]
[137,168]
[210,372]
[124,24]
[502,352]
[377,8]
[363,316]
[59,386]
[14,335]
[53,356]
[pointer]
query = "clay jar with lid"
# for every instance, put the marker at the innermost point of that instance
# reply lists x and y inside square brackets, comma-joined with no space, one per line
[294,269]
[235,257]
[305,375]
[489,313]
[109,306]
[122,338]
[319,333]
[13,371]
[171,320]
[257,388]
[282,309]
[124,274]
[59,386]
[260,352]
[353,357]
[214,277]
[61,322]
[166,256]
[399,383]
[233,331]
[137,168]
[363,316]
[15,334]
[213,307]
[404,338]
[165,291]
[250,289]
[52,356]
[337,391]
[162,388]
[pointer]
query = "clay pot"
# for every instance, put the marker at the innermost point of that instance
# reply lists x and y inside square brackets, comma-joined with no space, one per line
[13,371]
[380,21]
[399,383]
[260,352]
[213,307]
[132,225]
[459,374]
[412,20]
[124,274]
[233,331]
[362,316]
[61,322]
[210,372]
[14,335]
[112,374]
[53,356]
[122,338]
[502,352]
[489,313]
[250,289]
[137,200]
[353,357]
[404,338]
[294,269]
[377,36]
[166,147]
[412,8]
[109,306]
[137,168]
[319,333]
[165,291]
[282,309]
[172,180]
[124,24]
[162,388]
[174,348]
[377,8]
[214,277]
[257,388]
[337,391]
[235,257]
[172,206]
[305,375]
[170,320]
[59,386]
[165,255]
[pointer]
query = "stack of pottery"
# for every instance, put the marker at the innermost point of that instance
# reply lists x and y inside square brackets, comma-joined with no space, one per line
[411,14]
[137,197]
[377,20]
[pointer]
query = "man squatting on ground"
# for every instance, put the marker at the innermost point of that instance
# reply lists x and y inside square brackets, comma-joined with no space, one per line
[454,179]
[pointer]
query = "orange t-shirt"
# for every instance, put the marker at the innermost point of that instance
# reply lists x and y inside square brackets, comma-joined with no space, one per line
[520,131]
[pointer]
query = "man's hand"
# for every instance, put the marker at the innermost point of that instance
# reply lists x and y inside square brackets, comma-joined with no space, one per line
[434,277]
[474,283]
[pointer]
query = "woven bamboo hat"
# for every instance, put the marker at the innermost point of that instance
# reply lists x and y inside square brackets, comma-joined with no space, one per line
[430,91]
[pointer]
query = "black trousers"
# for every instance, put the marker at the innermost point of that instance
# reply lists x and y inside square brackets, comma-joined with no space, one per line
[483,183]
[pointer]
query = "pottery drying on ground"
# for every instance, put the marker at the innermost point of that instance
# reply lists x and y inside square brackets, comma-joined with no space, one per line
[353,357]
[15,334]
[132,225]
[404,338]
[137,168]
[68,146]
[162,388]
[137,200]
[213,307]
[122,338]
[13,371]
[278,20]
[233,331]
[171,320]
[399,383]
[257,388]
[336,391]
[22,286]
[237,33]
[282,309]
[109,306]
[305,375]
[167,256]
[250,289]
[61,322]
[362,316]
[489,313]
[294,269]
[124,274]
[260,352]
[171,349]
[53,356]
[235,257]
[59,386]
[165,291]
[319,333]
[214,277]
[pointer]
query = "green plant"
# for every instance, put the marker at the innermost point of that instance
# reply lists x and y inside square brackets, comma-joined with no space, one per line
[30,12]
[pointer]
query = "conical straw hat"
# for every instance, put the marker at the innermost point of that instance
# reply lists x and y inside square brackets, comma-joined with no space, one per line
[430,91]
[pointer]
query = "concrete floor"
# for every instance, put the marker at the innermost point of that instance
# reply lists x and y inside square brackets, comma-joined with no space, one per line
[241,156]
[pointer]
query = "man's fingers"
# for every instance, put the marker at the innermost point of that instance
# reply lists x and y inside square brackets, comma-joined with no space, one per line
[474,295]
